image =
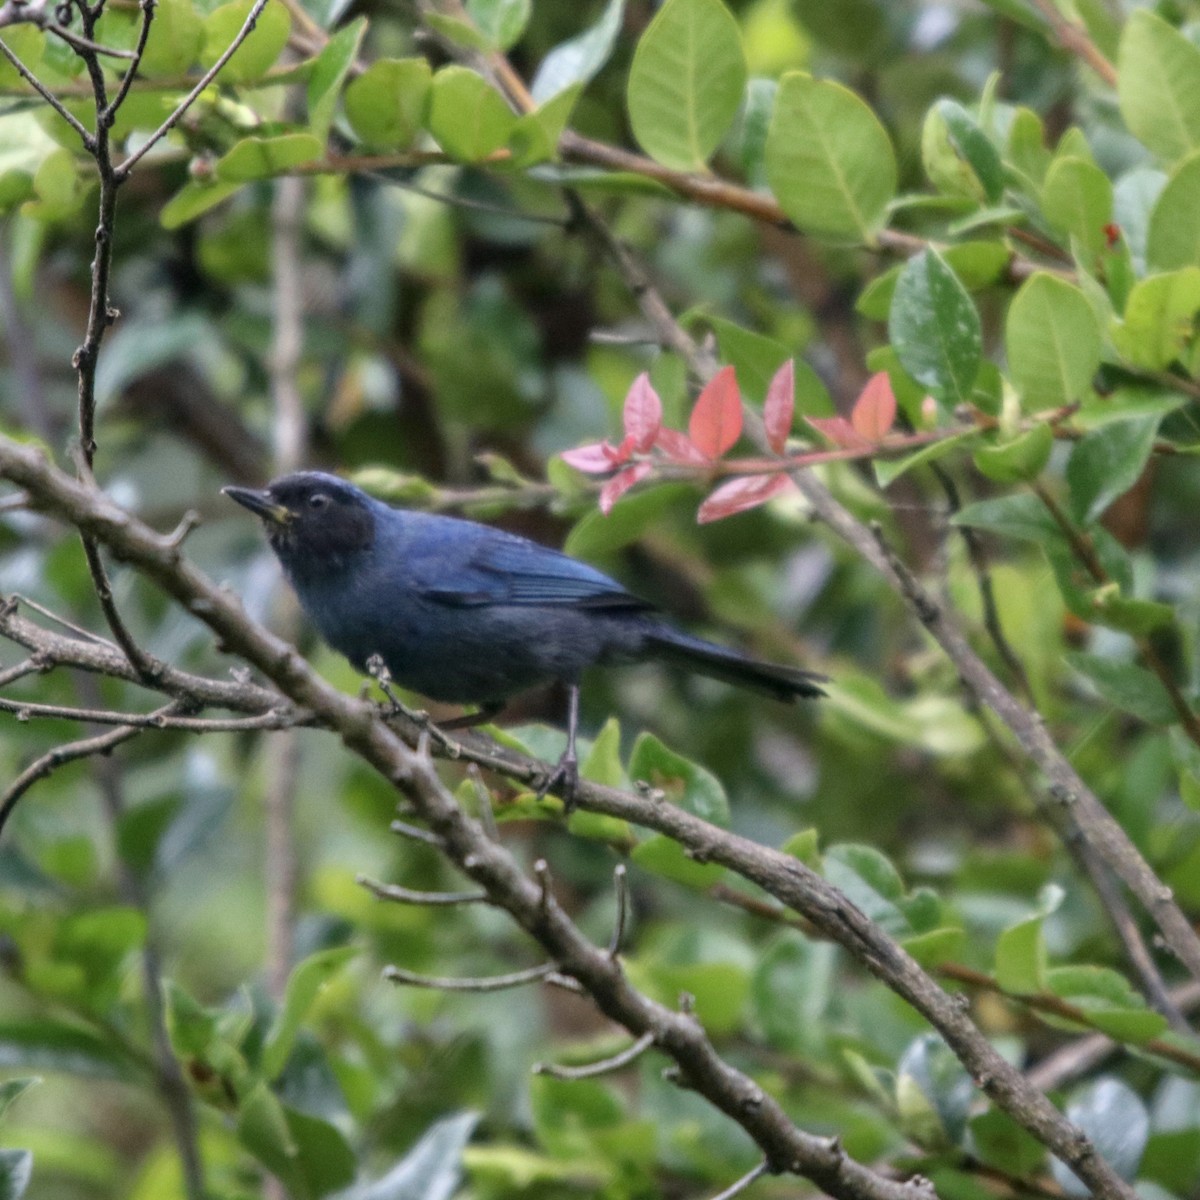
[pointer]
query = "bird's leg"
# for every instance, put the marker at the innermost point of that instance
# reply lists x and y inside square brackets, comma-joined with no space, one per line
[470,720]
[378,671]
[564,779]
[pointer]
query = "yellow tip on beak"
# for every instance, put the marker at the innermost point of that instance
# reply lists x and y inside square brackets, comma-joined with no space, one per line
[259,503]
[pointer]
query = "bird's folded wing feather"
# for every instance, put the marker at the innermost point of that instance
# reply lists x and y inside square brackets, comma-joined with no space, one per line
[505,570]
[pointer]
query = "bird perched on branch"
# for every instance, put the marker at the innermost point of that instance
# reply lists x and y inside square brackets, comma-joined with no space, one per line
[467,614]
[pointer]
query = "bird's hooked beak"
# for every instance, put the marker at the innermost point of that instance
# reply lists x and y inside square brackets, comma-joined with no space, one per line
[260,503]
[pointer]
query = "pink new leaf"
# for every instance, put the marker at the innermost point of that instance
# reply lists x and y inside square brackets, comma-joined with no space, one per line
[643,413]
[840,432]
[779,406]
[679,448]
[619,484]
[874,411]
[741,494]
[594,459]
[716,420]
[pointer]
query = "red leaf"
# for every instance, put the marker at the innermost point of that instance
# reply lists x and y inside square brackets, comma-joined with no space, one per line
[874,411]
[643,413]
[738,495]
[594,459]
[679,448]
[716,420]
[618,485]
[840,432]
[779,406]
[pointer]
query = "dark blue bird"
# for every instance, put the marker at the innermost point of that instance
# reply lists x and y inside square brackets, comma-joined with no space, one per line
[468,614]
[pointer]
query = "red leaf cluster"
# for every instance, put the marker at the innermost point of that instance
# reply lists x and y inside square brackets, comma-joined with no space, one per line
[713,429]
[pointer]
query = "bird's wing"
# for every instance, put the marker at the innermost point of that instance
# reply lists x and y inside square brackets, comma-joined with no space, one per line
[502,569]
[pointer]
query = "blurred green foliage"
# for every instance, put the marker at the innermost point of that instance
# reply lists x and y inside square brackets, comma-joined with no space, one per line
[450,303]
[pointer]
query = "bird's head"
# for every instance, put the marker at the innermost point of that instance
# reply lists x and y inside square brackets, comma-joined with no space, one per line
[314,522]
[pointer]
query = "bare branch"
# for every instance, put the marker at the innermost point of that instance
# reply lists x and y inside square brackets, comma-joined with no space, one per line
[488,983]
[737,1188]
[603,1066]
[403,895]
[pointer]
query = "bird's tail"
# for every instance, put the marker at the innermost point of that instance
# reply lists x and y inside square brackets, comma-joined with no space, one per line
[731,666]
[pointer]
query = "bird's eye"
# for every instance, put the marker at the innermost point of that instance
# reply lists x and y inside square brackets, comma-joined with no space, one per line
[318,500]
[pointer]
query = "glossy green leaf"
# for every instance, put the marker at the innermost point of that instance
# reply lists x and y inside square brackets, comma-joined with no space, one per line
[1077,200]
[1130,688]
[262,47]
[1173,237]
[1157,68]
[16,1170]
[1021,957]
[829,161]
[49,1044]
[469,118]
[685,783]
[303,986]
[1113,1116]
[578,60]
[958,157]
[1160,319]
[536,135]
[501,21]
[194,200]
[664,856]
[176,38]
[1020,516]
[935,329]
[1001,1142]
[1023,458]
[1053,342]
[942,1080]
[686,82]
[792,987]
[329,73]
[431,1170]
[10,1089]
[387,105]
[1106,463]
[262,157]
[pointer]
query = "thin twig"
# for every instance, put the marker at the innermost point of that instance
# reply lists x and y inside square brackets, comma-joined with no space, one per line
[1074,39]
[487,983]
[736,1189]
[89,142]
[403,895]
[603,1066]
[159,719]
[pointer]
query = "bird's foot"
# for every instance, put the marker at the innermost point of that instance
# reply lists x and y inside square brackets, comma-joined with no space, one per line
[563,781]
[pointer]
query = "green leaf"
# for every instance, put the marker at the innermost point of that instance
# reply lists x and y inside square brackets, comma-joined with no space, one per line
[869,879]
[958,156]
[791,989]
[686,82]
[1107,462]
[935,946]
[942,1080]
[597,534]
[328,74]
[1157,69]
[10,1089]
[1113,1116]
[1160,319]
[431,1170]
[257,54]
[1021,459]
[1110,1002]
[536,135]
[1020,516]
[603,762]
[467,116]
[664,856]
[1130,688]
[1173,239]
[1027,153]
[685,783]
[935,328]
[501,21]
[48,1044]
[193,200]
[303,985]
[1021,957]
[1001,1142]
[1077,200]
[176,36]
[16,1170]
[720,990]
[975,263]
[1053,342]
[888,470]
[387,105]
[577,61]
[829,161]
[262,157]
